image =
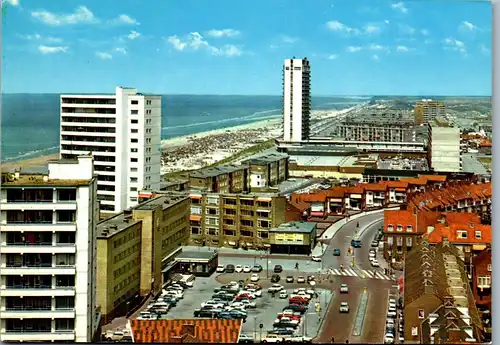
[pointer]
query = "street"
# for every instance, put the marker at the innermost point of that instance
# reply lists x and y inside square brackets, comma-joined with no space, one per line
[340,326]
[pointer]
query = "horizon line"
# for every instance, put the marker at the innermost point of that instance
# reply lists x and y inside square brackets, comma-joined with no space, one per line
[246,95]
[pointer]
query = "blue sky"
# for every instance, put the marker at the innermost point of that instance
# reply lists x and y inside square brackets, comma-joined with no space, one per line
[371,47]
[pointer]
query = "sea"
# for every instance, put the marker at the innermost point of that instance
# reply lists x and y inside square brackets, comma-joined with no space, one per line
[30,122]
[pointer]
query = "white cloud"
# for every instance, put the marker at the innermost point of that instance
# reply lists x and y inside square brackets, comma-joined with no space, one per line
[353,49]
[38,37]
[387,21]
[104,56]
[468,26]
[424,32]
[371,29]
[133,35]
[52,49]
[402,49]
[12,2]
[333,57]
[400,6]
[456,45]
[374,46]
[375,58]
[223,33]
[121,50]
[81,15]
[335,25]
[195,41]
[125,19]
[406,29]
[288,39]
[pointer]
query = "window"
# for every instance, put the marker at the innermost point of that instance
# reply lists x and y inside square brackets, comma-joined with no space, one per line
[287,68]
[133,179]
[400,227]
[489,267]
[135,102]
[390,240]
[461,234]
[134,112]
[134,140]
[409,228]
[133,199]
[148,102]
[390,227]
[484,282]
[134,160]
[421,314]
[408,241]
[478,234]
[134,150]
[134,122]
[134,130]
[400,241]
[296,68]
[263,234]
[212,231]
[133,189]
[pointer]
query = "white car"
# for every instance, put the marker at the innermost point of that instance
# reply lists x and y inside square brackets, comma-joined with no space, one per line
[275,288]
[272,338]
[296,291]
[375,263]
[220,269]
[344,288]
[310,292]
[176,294]
[371,256]
[255,292]
[283,294]
[215,305]
[255,277]
[391,312]
[316,258]
[285,319]
[390,323]
[299,339]
[247,304]
[344,307]
[389,338]
[301,279]
[238,268]
[247,269]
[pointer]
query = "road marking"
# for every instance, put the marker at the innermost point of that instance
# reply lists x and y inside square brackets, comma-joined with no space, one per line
[344,273]
[380,275]
[368,273]
[351,272]
[337,272]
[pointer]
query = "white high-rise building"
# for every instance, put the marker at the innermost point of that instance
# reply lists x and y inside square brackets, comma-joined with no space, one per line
[443,146]
[296,99]
[48,254]
[123,133]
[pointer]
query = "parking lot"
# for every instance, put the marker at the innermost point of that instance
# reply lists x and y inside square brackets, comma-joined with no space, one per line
[306,266]
[266,307]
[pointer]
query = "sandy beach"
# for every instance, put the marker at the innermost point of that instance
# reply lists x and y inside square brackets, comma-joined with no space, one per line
[195,151]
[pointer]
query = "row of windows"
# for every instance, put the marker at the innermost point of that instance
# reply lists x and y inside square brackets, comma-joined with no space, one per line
[175,237]
[125,238]
[125,253]
[126,296]
[127,267]
[133,278]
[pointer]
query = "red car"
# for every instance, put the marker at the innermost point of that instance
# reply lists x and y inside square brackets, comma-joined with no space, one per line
[292,317]
[253,286]
[243,296]
[298,300]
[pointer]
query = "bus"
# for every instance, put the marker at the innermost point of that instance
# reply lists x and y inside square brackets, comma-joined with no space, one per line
[355,242]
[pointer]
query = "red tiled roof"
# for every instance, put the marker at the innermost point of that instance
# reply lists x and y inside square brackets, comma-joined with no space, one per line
[205,330]
[434,178]
[414,181]
[485,143]
[358,189]
[300,205]
[397,217]
[375,187]
[450,231]
[395,184]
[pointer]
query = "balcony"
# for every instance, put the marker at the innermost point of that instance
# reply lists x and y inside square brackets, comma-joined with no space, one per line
[37,269]
[29,313]
[44,205]
[34,291]
[41,226]
[37,335]
[37,248]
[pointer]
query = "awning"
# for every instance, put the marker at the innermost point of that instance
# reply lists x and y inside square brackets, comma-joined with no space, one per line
[264,211]
[317,214]
[478,246]
[400,189]
[195,218]
[264,199]
[195,197]
[355,196]
[145,195]
[337,200]
[231,243]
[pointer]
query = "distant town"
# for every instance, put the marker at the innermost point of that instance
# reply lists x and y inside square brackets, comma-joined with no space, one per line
[369,224]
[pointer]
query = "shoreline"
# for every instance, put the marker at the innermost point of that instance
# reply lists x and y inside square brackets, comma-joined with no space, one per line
[261,130]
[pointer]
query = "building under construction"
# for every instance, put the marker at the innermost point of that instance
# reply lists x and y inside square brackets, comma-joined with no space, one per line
[378,126]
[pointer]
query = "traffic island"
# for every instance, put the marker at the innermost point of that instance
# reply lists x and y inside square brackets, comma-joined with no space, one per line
[360,315]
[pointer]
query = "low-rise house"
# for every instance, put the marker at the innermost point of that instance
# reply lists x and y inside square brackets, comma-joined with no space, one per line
[375,195]
[481,279]
[354,198]
[438,303]
[484,147]
[397,191]
[335,201]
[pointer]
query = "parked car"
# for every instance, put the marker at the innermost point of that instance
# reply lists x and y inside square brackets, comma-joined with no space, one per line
[255,292]
[285,320]
[316,258]
[238,268]
[344,288]
[255,277]
[281,331]
[375,263]
[230,269]
[389,338]
[344,307]
[289,279]
[212,304]
[278,269]
[311,278]
[257,268]
[296,307]
[391,312]
[275,278]
[220,269]
[238,314]
[336,252]
[283,294]
[298,300]
[275,288]
[207,313]
[374,243]
[245,339]
[247,269]
[273,338]
[299,339]
[301,279]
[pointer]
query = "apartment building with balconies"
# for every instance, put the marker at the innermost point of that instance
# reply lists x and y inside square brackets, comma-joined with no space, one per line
[222,179]
[267,170]
[427,110]
[443,146]
[235,220]
[48,254]
[122,131]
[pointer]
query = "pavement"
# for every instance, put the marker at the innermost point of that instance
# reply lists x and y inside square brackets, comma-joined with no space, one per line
[267,306]
[340,326]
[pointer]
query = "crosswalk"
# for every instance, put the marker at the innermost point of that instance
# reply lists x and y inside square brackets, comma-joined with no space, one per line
[364,274]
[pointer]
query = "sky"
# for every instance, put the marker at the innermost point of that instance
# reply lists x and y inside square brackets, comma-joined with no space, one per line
[365,47]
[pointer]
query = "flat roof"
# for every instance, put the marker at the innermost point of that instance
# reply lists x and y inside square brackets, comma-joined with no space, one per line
[114,225]
[296,227]
[37,180]
[196,255]
[194,191]
[165,199]
[471,164]
[265,158]
[216,171]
